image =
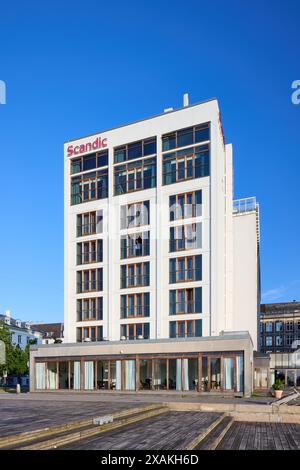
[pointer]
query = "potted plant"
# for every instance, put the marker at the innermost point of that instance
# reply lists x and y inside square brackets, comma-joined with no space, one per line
[278,388]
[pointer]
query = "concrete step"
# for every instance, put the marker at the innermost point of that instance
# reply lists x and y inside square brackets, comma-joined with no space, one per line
[12,441]
[213,439]
[91,431]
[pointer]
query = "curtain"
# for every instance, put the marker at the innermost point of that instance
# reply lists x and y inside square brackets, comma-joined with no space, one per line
[228,373]
[118,375]
[178,374]
[89,375]
[76,385]
[185,374]
[51,376]
[240,373]
[40,375]
[129,375]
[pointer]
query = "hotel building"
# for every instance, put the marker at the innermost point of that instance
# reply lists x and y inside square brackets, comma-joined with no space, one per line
[161,265]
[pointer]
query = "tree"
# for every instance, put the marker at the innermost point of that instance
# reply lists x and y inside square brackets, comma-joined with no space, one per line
[6,337]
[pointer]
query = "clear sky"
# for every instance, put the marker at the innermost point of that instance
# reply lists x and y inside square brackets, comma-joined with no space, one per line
[75,67]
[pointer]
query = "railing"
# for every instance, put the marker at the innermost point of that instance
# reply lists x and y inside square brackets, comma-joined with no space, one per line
[138,280]
[245,205]
[183,275]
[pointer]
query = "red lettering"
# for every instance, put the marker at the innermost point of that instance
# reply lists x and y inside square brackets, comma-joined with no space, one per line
[70,150]
[78,149]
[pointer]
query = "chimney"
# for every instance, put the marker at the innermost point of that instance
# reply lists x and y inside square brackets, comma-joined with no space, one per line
[185,100]
[7,317]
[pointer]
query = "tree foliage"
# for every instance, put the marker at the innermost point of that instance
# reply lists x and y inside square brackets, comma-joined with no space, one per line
[16,358]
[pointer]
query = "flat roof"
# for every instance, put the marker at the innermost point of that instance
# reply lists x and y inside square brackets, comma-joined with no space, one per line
[141,120]
[227,336]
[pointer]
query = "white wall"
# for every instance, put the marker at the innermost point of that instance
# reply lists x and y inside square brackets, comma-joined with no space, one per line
[245,269]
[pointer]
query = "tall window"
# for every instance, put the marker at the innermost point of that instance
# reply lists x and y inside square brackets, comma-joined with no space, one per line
[90,309]
[187,268]
[186,328]
[91,333]
[185,237]
[135,275]
[89,187]
[289,326]
[184,206]
[269,341]
[184,301]
[89,223]
[135,305]
[187,136]
[89,281]
[89,162]
[135,331]
[269,327]
[135,215]
[90,252]
[134,245]
[186,164]
[135,176]
[279,326]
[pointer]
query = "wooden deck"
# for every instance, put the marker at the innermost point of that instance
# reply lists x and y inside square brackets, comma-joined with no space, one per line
[261,436]
[171,431]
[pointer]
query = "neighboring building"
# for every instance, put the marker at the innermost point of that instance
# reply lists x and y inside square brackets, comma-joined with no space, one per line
[280,337]
[161,270]
[51,332]
[21,332]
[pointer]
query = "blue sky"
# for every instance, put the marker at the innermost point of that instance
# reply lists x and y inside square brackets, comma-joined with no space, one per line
[73,68]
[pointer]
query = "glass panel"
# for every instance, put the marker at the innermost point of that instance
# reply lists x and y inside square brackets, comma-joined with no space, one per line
[192,373]
[51,375]
[129,375]
[175,374]
[118,375]
[215,370]
[204,378]
[145,374]
[113,375]
[75,375]
[228,373]
[290,378]
[63,382]
[239,373]
[89,375]
[40,372]
[160,374]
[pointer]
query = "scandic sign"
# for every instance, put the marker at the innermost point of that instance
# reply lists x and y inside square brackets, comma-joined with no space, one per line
[98,143]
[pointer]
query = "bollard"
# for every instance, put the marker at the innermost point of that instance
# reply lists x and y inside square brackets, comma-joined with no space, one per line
[18,389]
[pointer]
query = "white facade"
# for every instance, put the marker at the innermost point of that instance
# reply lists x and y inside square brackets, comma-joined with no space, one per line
[220,304]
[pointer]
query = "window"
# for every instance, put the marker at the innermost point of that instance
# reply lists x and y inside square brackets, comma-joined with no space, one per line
[142,148]
[135,275]
[269,327]
[185,237]
[187,136]
[91,333]
[134,245]
[269,341]
[89,223]
[135,176]
[19,339]
[184,206]
[182,301]
[135,331]
[89,280]
[90,161]
[89,187]
[279,326]
[135,305]
[186,328]
[289,339]
[186,164]
[289,326]
[90,252]
[90,309]
[135,215]
[279,341]
[188,268]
